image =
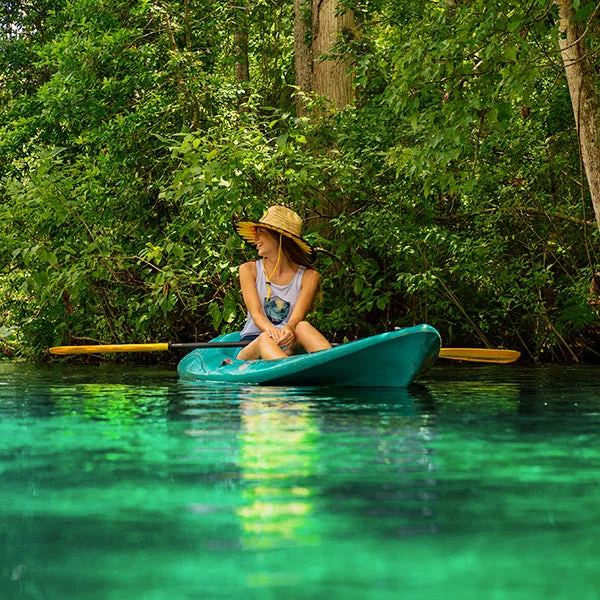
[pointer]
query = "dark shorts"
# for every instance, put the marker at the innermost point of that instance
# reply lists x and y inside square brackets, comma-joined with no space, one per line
[249,338]
[246,338]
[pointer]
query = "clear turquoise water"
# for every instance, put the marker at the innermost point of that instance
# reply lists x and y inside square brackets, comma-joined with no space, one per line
[115,483]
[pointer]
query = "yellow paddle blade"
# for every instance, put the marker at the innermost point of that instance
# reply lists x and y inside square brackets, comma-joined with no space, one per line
[109,348]
[480,354]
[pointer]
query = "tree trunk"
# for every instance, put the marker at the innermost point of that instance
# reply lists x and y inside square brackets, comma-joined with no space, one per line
[302,53]
[242,68]
[331,77]
[317,68]
[581,79]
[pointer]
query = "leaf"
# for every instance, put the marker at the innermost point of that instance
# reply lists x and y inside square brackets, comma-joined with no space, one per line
[511,53]
[358,286]
[492,115]
[382,302]
[215,314]
[229,310]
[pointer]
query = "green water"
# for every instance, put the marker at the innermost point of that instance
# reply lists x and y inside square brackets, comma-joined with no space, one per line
[483,482]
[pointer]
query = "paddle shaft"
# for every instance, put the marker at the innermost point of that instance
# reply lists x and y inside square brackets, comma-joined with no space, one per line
[159,347]
[467,354]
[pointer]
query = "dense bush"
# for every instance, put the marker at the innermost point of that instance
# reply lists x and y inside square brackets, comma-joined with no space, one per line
[449,193]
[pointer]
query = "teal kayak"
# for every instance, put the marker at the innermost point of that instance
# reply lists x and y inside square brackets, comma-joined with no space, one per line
[392,359]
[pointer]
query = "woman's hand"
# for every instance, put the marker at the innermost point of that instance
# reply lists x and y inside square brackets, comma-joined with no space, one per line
[273,332]
[287,336]
[284,337]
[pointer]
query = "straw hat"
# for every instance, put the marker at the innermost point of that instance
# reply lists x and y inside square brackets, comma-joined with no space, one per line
[281,220]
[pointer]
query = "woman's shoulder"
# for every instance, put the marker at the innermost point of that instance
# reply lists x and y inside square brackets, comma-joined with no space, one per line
[309,273]
[248,267]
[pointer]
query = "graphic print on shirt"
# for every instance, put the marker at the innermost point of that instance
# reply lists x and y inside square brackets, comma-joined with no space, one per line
[276,309]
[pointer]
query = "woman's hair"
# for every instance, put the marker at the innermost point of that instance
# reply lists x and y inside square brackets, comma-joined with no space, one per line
[292,251]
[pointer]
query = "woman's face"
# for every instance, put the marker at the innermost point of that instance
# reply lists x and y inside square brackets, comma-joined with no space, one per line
[266,243]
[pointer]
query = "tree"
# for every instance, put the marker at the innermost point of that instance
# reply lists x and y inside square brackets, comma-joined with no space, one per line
[331,76]
[581,76]
[319,26]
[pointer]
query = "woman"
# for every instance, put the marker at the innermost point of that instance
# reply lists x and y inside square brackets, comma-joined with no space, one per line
[279,288]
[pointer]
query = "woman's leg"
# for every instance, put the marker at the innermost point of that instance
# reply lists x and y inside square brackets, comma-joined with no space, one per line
[262,347]
[311,339]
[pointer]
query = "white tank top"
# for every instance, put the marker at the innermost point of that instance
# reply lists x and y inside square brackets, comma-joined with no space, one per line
[280,306]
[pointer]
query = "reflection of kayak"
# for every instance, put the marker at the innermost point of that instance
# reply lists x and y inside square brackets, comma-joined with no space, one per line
[391,359]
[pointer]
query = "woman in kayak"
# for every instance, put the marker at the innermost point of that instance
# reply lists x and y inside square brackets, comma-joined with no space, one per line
[278,289]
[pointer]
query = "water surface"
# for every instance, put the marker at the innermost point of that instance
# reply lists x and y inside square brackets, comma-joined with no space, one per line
[482,482]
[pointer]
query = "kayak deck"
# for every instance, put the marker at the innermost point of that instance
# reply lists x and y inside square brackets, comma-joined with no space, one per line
[392,359]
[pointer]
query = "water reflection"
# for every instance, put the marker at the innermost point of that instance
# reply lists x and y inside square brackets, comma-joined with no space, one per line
[323,456]
[476,398]
[278,460]
[382,462]
[306,460]
[115,393]
[113,402]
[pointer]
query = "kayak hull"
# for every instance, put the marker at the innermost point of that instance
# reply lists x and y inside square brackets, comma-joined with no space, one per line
[392,359]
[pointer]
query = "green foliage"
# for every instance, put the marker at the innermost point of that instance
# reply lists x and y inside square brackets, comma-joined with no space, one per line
[448,194]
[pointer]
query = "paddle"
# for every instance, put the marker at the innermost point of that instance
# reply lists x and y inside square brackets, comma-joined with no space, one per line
[468,354]
[480,354]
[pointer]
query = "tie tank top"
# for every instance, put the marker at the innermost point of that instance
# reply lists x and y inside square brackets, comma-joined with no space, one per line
[280,305]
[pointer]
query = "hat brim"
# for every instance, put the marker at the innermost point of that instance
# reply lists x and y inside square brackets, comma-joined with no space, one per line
[247,231]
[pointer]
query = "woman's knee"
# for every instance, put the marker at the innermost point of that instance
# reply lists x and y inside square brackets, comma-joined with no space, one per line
[268,348]
[303,327]
[264,339]
[255,348]
[310,338]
